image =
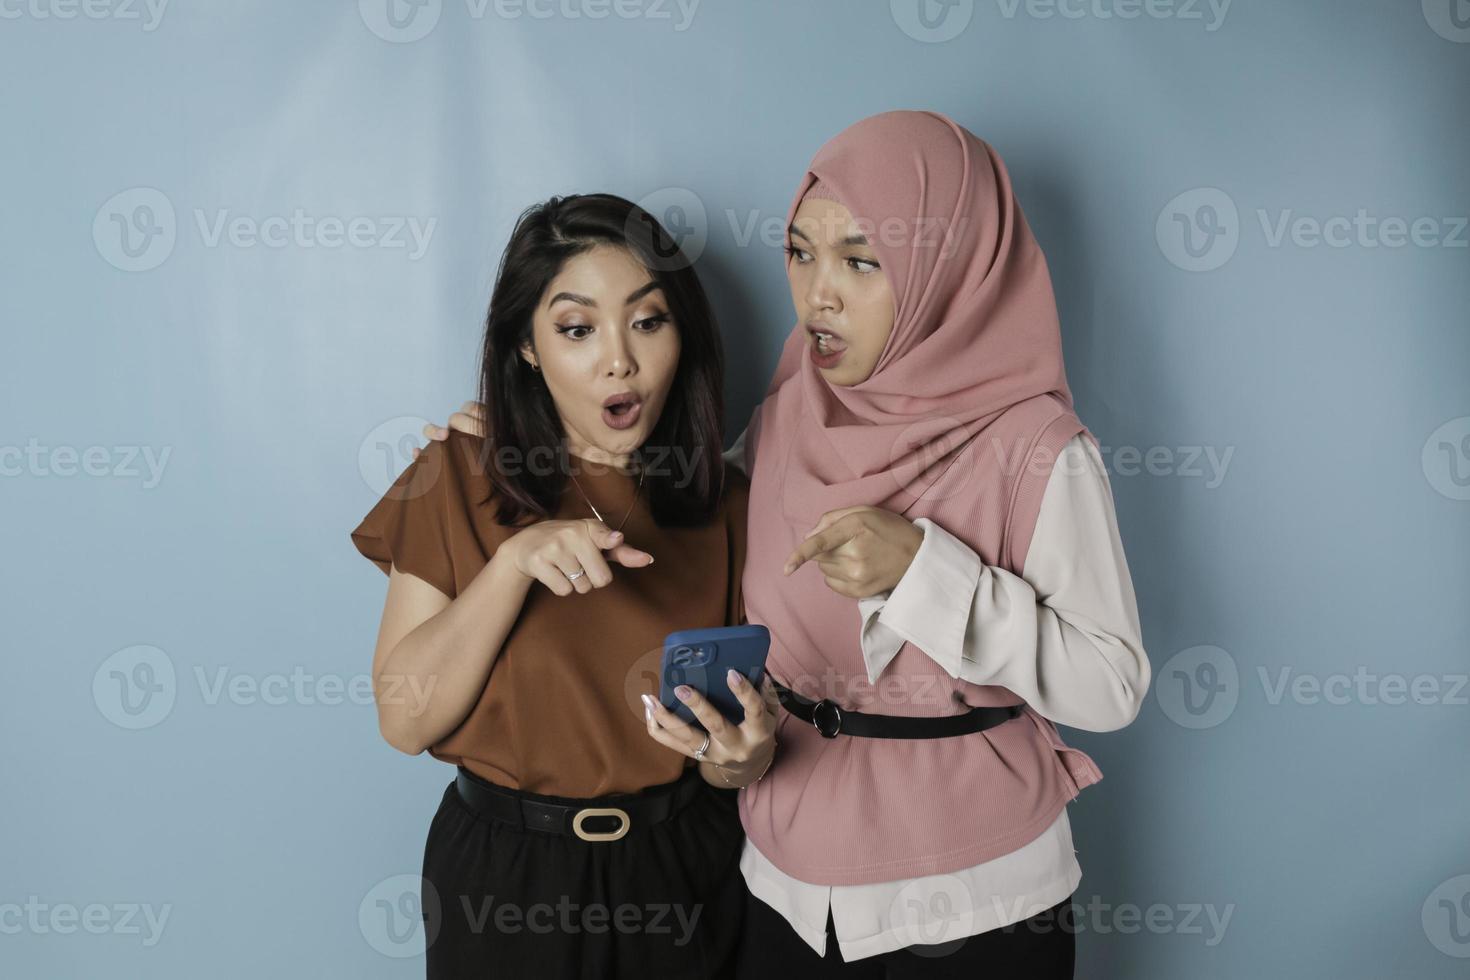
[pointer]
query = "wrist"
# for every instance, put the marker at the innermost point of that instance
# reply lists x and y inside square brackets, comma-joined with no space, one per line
[505,566]
[740,774]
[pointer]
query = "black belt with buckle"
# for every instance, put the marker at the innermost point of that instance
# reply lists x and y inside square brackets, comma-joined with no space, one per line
[523,811]
[831,720]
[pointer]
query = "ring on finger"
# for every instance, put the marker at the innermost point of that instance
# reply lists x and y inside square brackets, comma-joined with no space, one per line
[699,752]
[576,575]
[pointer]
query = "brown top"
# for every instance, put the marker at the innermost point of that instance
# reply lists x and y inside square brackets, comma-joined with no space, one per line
[561,713]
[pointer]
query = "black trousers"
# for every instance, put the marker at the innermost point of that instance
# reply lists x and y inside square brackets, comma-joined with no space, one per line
[1042,947]
[665,901]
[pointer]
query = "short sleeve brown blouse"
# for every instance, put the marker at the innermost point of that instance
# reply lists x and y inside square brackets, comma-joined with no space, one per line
[560,713]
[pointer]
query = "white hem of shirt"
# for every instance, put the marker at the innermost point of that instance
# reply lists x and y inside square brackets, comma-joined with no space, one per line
[1011,904]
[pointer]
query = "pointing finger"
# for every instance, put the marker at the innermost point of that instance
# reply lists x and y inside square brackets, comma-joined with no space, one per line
[629,556]
[824,540]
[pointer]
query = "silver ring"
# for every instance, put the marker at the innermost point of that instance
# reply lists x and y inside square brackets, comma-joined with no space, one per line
[576,575]
[699,752]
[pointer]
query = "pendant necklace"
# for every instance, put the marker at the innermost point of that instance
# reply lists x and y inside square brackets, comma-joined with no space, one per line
[641,474]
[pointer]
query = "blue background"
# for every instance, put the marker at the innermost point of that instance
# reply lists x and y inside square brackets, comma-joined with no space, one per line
[285,382]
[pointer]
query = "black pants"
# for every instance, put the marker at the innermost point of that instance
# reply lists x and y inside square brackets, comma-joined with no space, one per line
[1042,947]
[665,901]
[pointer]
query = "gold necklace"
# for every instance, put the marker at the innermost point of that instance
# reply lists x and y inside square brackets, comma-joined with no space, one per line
[641,474]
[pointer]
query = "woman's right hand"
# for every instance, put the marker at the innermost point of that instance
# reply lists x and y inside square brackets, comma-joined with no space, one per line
[470,418]
[551,551]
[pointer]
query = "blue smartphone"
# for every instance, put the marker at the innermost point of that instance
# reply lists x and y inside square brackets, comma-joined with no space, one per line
[700,659]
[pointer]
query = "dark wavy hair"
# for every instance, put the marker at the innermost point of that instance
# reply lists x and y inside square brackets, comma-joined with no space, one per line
[521,415]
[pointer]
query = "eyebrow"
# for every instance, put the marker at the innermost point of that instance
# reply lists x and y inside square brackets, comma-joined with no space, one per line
[633,297]
[858,239]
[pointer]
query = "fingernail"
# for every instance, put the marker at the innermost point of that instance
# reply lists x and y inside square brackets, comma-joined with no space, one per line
[683,692]
[734,677]
[616,535]
[647,707]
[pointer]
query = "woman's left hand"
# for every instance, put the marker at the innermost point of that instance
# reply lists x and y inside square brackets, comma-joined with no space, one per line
[861,550]
[742,751]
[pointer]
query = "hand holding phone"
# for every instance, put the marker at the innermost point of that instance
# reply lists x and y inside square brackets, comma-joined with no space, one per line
[700,658]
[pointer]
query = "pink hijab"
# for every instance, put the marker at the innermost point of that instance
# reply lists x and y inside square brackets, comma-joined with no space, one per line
[975,324]
[960,421]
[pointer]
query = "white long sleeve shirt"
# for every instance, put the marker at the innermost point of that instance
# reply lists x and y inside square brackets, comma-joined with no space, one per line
[1064,635]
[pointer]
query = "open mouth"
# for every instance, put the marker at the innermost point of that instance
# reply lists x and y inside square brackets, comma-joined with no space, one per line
[827,343]
[622,411]
[827,348]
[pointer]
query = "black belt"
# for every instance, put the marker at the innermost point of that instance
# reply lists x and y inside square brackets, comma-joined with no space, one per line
[510,806]
[831,720]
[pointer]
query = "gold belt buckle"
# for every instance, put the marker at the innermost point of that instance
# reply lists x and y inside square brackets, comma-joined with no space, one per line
[601,812]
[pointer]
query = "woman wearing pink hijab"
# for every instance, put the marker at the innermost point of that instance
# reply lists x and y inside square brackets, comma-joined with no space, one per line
[933,547]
